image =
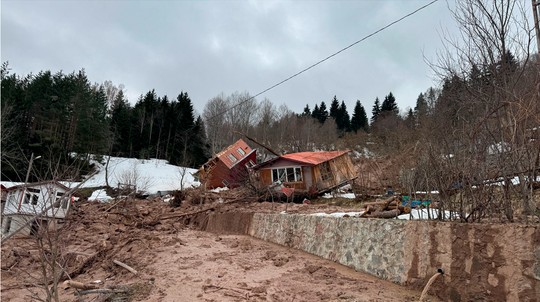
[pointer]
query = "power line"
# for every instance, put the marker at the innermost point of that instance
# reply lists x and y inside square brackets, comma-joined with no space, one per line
[327,58]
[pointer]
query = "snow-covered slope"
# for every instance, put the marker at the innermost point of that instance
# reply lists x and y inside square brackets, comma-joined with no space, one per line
[150,176]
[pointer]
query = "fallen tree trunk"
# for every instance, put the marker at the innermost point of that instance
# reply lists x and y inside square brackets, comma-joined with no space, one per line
[79,285]
[122,264]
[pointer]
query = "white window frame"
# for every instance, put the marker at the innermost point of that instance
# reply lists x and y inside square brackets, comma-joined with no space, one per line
[241,152]
[250,164]
[283,174]
[232,158]
[31,196]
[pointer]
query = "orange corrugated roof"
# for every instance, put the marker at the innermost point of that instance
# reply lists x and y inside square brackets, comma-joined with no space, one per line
[314,158]
[232,149]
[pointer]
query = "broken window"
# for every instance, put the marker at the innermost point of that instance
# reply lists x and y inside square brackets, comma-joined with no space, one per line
[250,164]
[290,174]
[32,195]
[326,172]
[27,198]
[58,199]
[298,174]
[293,174]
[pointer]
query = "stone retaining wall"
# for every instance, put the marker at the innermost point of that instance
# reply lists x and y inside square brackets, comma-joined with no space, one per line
[482,262]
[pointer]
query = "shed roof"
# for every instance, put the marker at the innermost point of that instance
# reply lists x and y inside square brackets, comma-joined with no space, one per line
[33,184]
[308,158]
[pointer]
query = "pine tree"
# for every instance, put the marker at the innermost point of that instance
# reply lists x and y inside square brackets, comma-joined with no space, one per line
[359,119]
[334,108]
[389,104]
[199,147]
[120,126]
[421,109]
[376,110]
[343,119]
[316,113]
[307,111]
[323,113]
[410,119]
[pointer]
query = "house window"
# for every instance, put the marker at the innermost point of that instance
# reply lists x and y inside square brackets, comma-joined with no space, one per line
[225,183]
[326,172]
[32,195]
[29,197]
[65,203]
[34,199]
[241,152]
[58,199]
[250,164]
[232,157]
[298,174]
[293,174]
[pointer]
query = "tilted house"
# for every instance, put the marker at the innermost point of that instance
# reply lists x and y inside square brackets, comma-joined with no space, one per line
[313,172]
[46,200]
[228,168]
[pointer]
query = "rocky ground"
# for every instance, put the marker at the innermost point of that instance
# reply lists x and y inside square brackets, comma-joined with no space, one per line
[176,262]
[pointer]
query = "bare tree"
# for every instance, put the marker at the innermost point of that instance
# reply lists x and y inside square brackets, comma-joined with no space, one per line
[112,92]
[488,104]
[214,119]
[266,118]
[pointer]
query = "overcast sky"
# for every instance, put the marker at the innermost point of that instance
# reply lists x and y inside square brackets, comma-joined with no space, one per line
[210,47]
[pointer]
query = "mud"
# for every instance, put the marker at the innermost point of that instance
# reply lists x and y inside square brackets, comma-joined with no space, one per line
[176,261]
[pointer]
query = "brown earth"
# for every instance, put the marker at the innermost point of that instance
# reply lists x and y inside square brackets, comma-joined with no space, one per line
[176,262]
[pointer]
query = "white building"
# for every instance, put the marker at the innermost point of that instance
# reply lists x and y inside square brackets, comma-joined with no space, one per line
[46,200]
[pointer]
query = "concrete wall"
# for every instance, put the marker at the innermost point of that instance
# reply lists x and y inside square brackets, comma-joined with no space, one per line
[482,262]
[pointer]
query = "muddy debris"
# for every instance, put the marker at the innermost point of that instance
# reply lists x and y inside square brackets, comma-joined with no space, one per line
[174,261]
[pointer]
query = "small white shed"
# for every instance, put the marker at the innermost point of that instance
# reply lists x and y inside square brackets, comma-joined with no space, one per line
[47,199]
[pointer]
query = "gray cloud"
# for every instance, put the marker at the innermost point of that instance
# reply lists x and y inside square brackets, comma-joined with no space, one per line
[210,47]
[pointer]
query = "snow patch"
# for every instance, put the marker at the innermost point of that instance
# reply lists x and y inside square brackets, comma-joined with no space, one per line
[148,175]
[100,195]
[217,190]
[338,214]
[422,214]
[341,195]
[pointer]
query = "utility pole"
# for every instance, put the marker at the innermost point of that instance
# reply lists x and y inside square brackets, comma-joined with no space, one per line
[535,6]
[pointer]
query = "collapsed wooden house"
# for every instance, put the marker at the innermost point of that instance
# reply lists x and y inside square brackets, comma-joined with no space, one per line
[229,168]
[308,172]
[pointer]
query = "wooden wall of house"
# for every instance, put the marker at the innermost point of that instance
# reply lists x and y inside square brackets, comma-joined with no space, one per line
[216,175]
[266,176]
[233,176]
[341,168]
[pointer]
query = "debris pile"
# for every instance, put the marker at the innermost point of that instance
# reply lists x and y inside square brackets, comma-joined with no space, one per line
[144,250]
[385,208]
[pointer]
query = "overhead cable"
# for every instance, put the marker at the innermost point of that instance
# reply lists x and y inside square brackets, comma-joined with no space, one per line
[327,58]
